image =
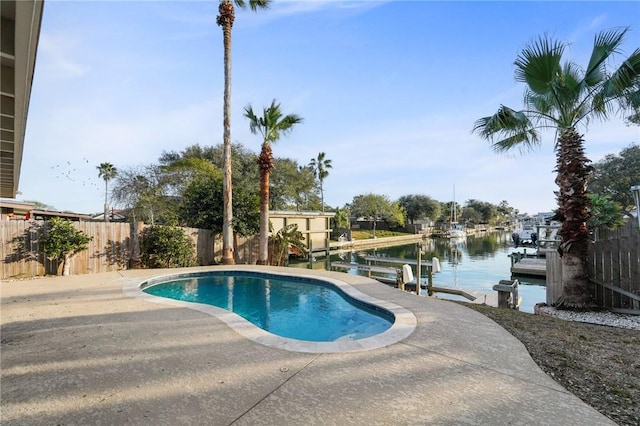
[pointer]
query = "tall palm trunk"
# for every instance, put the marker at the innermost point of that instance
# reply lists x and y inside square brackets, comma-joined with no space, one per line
[265,163]
[573,169]
[106,202]
[225,19]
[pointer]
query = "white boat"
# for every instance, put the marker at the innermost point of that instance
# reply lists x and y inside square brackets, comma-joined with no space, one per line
[457,233]
[455,229]
[526,234]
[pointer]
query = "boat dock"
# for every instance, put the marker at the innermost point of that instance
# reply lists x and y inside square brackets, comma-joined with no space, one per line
[529,266]
[534,264]
[471,296]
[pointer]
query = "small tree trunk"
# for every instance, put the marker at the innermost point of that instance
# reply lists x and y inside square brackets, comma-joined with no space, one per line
[66,268]
[577,292]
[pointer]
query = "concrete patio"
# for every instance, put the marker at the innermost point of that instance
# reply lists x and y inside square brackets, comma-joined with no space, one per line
[79,350]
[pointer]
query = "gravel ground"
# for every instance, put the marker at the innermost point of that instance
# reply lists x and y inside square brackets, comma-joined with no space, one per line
[632,322]
[594,355]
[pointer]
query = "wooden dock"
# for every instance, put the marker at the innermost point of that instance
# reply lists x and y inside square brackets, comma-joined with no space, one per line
[530,266]
[471,296]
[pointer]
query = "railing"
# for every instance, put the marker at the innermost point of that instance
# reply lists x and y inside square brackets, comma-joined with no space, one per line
[550,240]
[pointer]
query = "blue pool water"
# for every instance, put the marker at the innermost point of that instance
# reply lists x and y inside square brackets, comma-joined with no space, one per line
[292,307]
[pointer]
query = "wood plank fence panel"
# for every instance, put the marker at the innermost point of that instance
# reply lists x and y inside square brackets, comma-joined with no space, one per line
[203,243]
[110,249]
[614,266]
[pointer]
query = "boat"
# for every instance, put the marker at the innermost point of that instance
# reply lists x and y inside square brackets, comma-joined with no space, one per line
[455,229]
[527,233]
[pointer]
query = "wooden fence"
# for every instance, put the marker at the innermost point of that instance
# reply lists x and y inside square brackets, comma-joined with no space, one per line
[112,248]
[614,270]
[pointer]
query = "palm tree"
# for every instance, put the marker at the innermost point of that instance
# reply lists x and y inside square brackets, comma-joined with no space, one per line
[563,97]
[225,20]
[107,172]
[320,166]
[271,125]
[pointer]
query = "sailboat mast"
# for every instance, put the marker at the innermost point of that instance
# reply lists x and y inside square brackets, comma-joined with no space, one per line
[453,207]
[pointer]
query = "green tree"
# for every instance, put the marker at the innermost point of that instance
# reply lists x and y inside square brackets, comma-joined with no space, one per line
[472,215]
[488,213]
[164,246]
[341,219]
[396,217]
[146,192]
[563,97]
[202,201]
[270,126]
[372,207]
[613,176]
[605,213]
[226,16]
[419,207]
[446,211]
[320,167]
[62,241]
[107,172]
[291,185]
[243,162]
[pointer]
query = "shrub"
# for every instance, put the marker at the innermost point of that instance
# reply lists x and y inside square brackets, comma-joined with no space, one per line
[286,238]
[166,247]
[62,241]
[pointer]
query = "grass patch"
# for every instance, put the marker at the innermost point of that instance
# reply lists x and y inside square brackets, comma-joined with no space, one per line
[365,235]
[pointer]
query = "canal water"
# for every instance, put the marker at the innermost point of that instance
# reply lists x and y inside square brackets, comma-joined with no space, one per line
[474,263]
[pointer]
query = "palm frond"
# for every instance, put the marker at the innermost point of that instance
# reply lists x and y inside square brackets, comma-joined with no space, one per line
[538,64]
[254,121]
[572,79]
[627,76]
[543,103]
[272,124]
[605,44]
[258,4]
[525,140]
[504,120]
[512,128]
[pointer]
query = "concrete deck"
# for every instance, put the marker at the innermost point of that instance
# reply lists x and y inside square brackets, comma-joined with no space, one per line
[80,350]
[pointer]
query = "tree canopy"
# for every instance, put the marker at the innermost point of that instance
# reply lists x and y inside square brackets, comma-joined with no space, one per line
[419,207]
[373,207]
[613,176]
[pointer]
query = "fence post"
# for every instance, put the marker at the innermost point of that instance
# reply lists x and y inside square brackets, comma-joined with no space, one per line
[554,277]
[136,230]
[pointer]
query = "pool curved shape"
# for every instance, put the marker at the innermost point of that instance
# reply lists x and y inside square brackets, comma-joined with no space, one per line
[400,321]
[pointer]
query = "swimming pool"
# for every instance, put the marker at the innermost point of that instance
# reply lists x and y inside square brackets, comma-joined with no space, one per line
[291,311]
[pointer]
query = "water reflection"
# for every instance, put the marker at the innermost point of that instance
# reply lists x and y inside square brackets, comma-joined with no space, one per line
[475,263]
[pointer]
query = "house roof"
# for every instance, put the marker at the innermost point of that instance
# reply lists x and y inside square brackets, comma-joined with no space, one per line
[21,21]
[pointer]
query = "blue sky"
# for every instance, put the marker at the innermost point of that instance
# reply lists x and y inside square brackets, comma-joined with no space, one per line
[389,90]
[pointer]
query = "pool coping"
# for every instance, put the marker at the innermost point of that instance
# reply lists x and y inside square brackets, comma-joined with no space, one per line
[404,325]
